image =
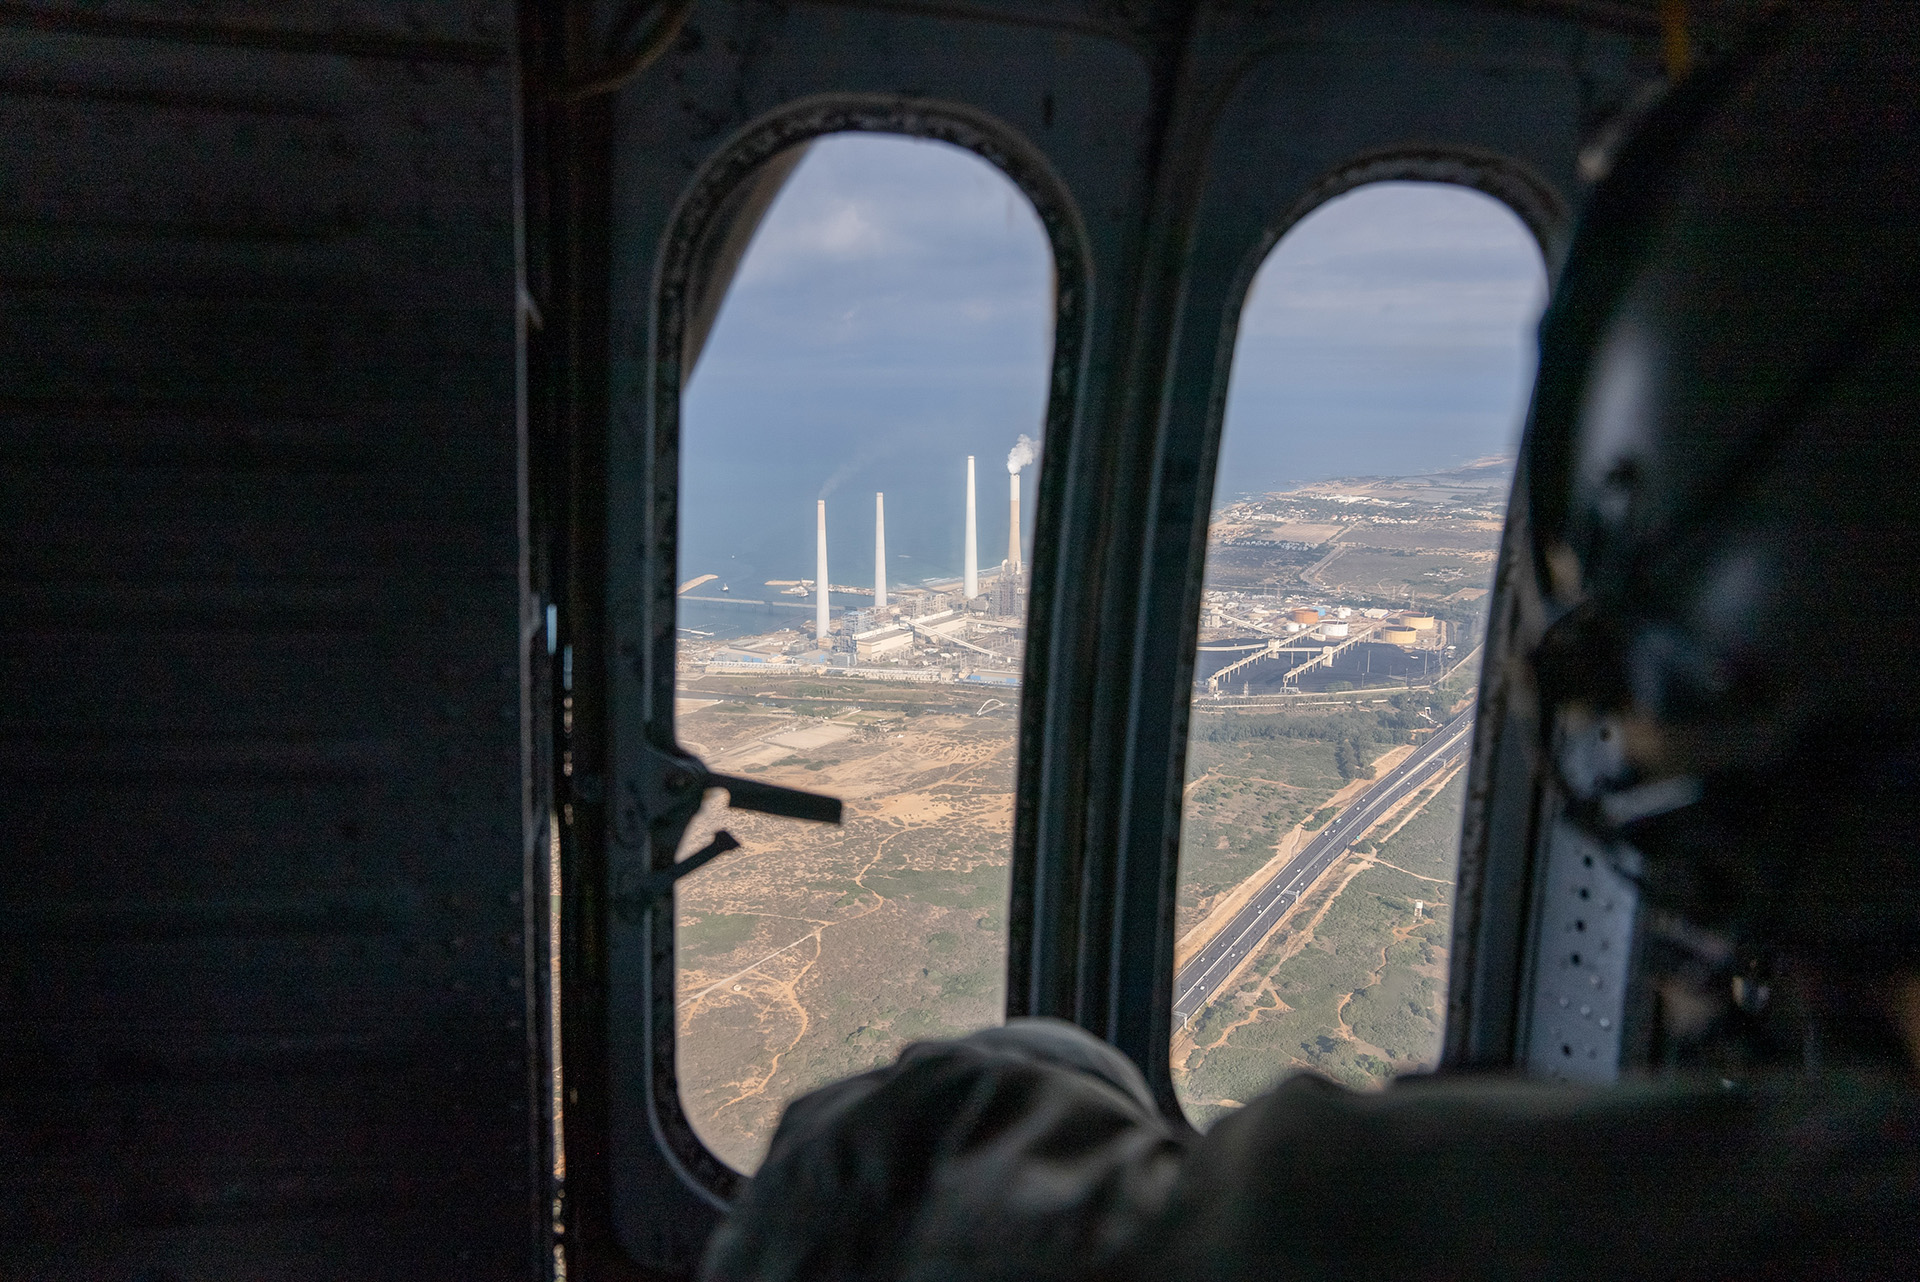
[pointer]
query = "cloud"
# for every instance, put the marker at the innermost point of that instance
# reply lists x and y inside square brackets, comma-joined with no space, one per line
[834,230]
[1391,330]
[883,199]
[893,315]
[890,317]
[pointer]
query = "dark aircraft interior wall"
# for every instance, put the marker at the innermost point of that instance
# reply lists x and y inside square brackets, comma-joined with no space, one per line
[1165,147]
[264,722]
[330,361]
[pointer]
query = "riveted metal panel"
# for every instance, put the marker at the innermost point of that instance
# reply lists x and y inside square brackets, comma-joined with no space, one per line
[1582,953]
[263,929]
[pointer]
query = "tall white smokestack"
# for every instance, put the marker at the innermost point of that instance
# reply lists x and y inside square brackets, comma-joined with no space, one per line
[1013,523]
[973,539]
[1025,450]
[820,573]
[879,551]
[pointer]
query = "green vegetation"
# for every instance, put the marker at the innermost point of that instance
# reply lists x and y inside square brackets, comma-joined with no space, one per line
[1321,818]
[1384,722]
[1363,999]
[1428,845]
[1258,774]
[886,930]
[1396,571]
[981,887]
[1400,1014]
[716,934]
[1358,967]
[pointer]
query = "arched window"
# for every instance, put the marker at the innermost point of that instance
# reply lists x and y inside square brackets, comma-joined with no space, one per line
[1377,390]
[859,453]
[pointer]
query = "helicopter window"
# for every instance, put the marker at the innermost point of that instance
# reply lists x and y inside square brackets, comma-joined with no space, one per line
[865,403]
[1376,395]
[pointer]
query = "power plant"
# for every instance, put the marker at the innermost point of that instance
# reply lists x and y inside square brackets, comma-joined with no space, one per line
[820,575]
[1013,520]
[969,628]
[1005,599]
[972,575]
[973,627]
[879,551]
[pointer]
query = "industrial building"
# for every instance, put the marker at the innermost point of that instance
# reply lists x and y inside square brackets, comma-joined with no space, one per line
[888,640]
[1008,600]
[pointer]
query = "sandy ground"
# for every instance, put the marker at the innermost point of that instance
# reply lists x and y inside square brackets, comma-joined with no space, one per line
[837,955]
[812,736]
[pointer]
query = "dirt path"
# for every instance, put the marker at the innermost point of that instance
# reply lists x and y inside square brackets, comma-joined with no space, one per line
[1438,881]
[1344,871]
[786,992]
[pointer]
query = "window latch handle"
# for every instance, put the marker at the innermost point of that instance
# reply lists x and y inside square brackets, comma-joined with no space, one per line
[636,893]
[773,799]
[688,779]
[665,797]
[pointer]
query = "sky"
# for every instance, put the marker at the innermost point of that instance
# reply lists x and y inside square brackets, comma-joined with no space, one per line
[893,315]
[1390,332]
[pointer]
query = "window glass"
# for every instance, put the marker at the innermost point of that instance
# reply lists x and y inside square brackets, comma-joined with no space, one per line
[858,466]
[1378,386]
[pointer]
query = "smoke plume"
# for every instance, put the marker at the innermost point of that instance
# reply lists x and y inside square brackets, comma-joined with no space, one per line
[1024,451]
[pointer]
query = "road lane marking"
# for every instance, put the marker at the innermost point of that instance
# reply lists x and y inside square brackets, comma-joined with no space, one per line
[1390,793]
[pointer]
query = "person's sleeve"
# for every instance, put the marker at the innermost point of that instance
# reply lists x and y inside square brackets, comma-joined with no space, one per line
[1028,1151]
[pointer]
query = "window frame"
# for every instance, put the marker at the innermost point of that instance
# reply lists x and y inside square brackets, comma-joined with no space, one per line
[700,216]
[1174,132]
[1473,956]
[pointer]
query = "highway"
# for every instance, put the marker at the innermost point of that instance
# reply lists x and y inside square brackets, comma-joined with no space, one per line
[1198,980]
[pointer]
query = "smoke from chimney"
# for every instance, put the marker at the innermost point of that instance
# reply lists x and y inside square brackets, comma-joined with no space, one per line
[1023,453]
